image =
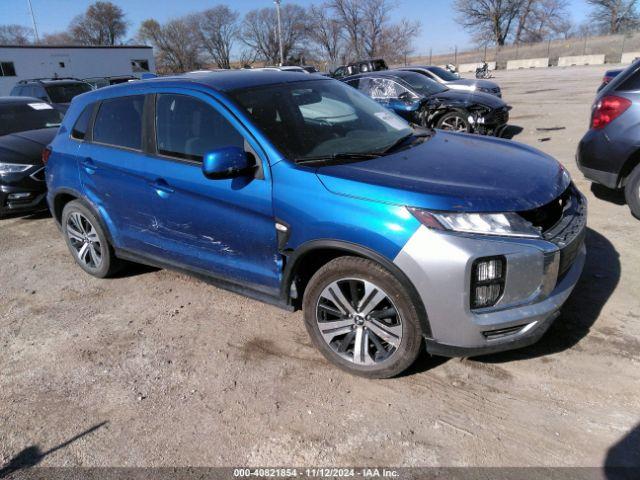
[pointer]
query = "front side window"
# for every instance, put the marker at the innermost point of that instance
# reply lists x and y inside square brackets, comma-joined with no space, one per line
[188,128]
[64,93]
[320,118]
[20,117]
[119,122]
[421,84]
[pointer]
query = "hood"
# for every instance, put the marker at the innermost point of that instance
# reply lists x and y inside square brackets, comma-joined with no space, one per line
[472,81]
[459,98]
[25,147]
[454,172]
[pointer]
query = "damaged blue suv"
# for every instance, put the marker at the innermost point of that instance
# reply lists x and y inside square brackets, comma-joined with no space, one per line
[304,193]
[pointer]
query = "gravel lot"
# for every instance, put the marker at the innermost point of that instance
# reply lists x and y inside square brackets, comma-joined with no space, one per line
[173,371]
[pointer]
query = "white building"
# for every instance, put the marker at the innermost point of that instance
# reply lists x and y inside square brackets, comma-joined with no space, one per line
[40,61]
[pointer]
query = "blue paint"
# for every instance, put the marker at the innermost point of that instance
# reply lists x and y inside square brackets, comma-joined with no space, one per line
[166,208]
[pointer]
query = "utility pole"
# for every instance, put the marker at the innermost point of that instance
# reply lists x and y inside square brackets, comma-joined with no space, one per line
[277,2]
[33,19]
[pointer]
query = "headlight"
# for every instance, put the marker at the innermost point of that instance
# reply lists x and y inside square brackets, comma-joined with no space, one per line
[503,224]
[13,168]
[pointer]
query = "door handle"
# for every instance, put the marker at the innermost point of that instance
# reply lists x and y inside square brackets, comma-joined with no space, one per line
[89,165]
[162,188]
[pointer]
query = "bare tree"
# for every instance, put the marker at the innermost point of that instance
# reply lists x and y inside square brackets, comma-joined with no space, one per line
[218,28]
[58,38]
[615,16]
[397,40]
[349,13]
[247,58]
[102,24]
[176,44]
[260,31]
[489,19]
[375,14]
[325,33]
[15,35]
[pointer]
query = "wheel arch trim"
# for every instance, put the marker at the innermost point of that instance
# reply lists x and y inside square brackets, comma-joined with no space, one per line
[295,260]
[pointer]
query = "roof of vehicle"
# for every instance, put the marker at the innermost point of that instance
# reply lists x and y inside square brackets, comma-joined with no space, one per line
[379,73]
[14,100]
[233,79]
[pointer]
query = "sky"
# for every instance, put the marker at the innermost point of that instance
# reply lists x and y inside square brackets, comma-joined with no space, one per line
[440,32]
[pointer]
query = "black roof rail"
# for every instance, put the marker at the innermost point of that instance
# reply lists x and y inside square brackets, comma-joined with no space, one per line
[47,79]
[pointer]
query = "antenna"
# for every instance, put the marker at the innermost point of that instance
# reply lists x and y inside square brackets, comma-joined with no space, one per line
[33,19]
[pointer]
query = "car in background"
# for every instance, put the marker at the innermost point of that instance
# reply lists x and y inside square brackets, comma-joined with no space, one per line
[27,125]
[609,153]
[608,76]
[420,100]
[361,66]
[100,82]
[454,82]
[55,91]
[357,217]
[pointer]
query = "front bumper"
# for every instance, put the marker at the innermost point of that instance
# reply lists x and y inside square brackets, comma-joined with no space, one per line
[602,154]
[540,276]
[23,193]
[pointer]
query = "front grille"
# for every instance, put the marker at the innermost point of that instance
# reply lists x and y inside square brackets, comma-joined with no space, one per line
[562,222]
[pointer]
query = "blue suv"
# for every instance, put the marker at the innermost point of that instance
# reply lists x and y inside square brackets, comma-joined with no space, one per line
[302,192]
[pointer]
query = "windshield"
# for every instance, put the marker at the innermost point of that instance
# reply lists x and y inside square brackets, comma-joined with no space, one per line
[64,93]
[421,84]
[27,116]
[443,74]
[321,118]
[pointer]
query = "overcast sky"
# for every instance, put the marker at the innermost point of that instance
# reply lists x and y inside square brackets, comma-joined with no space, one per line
[439,30]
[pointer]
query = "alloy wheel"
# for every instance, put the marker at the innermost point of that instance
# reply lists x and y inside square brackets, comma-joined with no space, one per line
[456,124]
[84,240]
[359,321]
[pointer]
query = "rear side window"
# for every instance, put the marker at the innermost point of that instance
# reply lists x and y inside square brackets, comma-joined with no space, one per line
[631,83]
[79,130]
[188,128]
[119,122]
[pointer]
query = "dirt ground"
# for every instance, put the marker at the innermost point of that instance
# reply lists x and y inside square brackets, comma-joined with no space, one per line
[174,372]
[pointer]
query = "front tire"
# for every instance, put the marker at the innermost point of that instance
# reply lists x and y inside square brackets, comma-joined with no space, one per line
[87,241]
[632,192]
[361,318]
[454,122]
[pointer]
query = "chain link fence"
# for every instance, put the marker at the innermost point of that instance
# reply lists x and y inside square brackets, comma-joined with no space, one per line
[612,46]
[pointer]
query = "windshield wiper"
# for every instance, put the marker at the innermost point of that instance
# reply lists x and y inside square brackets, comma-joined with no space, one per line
[398,143]
[336,157]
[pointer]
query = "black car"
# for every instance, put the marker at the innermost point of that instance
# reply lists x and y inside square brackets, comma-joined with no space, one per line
[27,125]
[609,153]
[430,104]
[57,91]
[361,66]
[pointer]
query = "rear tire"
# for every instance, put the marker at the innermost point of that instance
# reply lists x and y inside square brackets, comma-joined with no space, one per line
[361,318]
[454,122]
[87,241]
[632,192]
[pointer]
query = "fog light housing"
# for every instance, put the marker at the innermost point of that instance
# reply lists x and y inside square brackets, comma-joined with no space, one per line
[487,281]
[19,196]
